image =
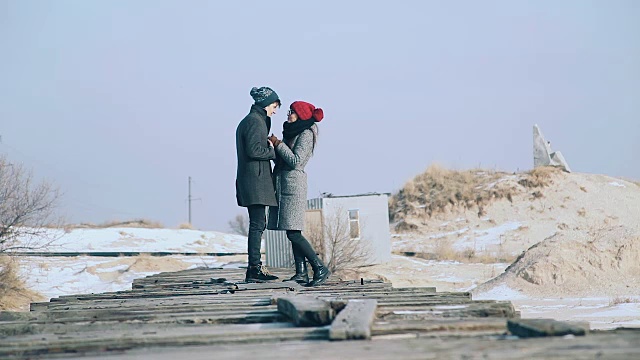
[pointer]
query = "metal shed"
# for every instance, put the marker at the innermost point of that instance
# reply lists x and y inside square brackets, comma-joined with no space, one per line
[355,220]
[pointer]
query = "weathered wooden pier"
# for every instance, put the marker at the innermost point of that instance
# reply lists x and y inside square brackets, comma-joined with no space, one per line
[210,313]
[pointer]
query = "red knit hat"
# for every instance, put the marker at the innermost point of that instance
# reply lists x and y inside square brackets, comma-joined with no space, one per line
[306,111]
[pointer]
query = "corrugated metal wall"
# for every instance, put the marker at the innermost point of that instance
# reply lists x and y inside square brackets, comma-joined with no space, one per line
[314,204]
[278,248]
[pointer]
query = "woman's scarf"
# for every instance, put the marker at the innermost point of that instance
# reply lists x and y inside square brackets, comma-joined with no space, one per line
[291,130]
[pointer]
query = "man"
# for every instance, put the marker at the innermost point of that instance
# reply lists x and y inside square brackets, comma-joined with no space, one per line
[254,186]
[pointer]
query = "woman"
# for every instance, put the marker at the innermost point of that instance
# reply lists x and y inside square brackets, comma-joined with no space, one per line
[300,134]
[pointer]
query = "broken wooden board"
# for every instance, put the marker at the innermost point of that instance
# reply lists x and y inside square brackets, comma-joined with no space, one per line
[354,321]
[306,310]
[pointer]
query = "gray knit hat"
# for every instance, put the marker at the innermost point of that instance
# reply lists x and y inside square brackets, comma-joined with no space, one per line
[264,96]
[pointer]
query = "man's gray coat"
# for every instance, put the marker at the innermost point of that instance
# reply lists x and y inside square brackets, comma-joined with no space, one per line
[254,185]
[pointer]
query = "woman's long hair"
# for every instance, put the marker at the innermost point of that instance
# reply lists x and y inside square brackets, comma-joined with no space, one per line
[314,130]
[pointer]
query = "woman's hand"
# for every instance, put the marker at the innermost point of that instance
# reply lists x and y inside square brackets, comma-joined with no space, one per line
[274,140]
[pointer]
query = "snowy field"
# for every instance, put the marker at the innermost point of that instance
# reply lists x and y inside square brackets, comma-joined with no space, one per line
[145,240]
[57,276]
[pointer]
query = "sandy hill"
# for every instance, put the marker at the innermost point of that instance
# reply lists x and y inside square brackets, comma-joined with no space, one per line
[602,262]
[585,226]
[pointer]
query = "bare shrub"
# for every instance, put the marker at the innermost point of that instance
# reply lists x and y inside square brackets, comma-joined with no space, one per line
[240,225]
[26,218]
[332,241]
[26,209]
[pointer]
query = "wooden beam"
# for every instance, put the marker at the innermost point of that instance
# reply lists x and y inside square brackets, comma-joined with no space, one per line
[526,328]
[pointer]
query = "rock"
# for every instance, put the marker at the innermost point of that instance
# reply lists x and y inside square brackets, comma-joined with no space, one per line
[542,154]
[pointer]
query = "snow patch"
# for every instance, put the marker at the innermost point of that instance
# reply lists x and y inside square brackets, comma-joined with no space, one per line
[502,292]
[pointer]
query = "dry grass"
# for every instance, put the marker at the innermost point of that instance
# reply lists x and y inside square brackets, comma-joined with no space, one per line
[539,177]
[185,226]
[622,300]
[440,190]
[13,293]
[443,250]
[136,223]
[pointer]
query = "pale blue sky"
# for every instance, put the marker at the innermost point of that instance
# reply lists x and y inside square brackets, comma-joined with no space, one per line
[118,102]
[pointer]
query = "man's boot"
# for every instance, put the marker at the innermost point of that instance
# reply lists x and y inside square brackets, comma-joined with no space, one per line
[258,273]
[320,272]
[301,276]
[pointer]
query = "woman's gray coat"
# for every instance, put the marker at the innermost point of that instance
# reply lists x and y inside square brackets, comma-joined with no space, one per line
[290,182]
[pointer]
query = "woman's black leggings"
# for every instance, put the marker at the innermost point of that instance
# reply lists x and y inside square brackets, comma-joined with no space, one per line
[301,247]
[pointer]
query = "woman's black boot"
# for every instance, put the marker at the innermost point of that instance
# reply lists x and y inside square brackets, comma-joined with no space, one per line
[301,276]
[320,272]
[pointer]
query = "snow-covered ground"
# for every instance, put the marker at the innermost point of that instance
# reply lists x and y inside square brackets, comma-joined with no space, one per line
[600,312]
[57,276]
[145,240]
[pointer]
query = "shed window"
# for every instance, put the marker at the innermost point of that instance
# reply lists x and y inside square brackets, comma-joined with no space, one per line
[354,224]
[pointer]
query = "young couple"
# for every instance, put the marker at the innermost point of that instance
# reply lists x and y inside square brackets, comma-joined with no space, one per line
[285,190]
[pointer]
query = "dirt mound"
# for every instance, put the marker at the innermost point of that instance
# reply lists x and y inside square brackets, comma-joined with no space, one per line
[602,262]
[519,211]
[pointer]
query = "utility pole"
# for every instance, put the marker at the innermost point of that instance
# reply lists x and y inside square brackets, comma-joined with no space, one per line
[189,199]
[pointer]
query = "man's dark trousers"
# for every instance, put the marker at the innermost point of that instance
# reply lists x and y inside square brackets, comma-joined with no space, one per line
[257,224]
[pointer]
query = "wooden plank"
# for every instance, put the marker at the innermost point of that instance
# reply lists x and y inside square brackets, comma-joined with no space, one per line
[503,309]
[73,344]
[354,321]
[443,325]
[607,346]
[527,328]
[199,303]
[230,316]
[306,310]
[119,301]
